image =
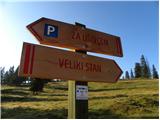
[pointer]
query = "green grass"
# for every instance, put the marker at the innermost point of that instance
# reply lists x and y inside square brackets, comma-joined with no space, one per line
[124,99]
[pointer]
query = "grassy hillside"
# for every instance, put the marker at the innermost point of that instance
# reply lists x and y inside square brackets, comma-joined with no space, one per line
[125,99]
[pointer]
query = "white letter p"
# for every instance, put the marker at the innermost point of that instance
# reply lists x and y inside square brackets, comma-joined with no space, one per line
[50,30]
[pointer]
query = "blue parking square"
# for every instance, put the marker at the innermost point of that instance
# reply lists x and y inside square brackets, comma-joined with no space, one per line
[50,30]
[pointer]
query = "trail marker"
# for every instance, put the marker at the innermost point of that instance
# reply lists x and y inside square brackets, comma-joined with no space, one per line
[44,62]
[56,33]
[76,67]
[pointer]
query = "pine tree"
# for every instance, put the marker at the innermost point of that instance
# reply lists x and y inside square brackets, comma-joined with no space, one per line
[154,73]
[149,71]
[2,74]
[137,70]
[132,76]
[18,80]
[127,75]
[143,66]
[145,70]
[9,76]
[6,77]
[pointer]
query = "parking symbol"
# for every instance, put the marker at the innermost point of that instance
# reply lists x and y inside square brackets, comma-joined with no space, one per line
[50,30]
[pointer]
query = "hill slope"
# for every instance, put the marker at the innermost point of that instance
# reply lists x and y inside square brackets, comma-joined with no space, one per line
[125,99]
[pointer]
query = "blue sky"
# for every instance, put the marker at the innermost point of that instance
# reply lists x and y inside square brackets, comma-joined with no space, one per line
[135,22]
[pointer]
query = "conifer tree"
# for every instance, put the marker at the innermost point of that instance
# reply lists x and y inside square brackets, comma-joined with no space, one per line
[9,75]
[137,70]
[149,71]
[145,70]
[127,75]
[154,73]
[18,80]
[2,69]
[132,76]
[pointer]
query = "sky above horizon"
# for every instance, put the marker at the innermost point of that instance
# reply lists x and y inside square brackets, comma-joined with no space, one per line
[135,22]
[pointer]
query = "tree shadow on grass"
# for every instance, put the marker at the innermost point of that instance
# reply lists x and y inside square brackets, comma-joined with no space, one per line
[107,89]
[27,99]
[108,114]
[108,97]
[13,92]
[54,95]
[30,113]
[21,93]
[103,114]
[61,88]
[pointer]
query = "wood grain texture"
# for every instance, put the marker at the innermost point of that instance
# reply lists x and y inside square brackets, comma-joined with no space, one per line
[51,63]
[76,37]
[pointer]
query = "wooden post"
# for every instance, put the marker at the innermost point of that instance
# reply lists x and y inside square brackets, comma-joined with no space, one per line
[78,107]
[71,99]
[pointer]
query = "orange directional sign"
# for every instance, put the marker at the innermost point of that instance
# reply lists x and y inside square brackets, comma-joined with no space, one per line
[50,63]
[56,33]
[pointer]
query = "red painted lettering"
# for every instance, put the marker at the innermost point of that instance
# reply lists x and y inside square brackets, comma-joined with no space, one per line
[61,62]
[82,65]
[77,65]
[88,67]
[73,35]
[67,63]
[96,68]
[82,36]
[78,36]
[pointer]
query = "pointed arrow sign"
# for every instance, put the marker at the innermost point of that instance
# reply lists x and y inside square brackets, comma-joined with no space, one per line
[50,63]
[56,33]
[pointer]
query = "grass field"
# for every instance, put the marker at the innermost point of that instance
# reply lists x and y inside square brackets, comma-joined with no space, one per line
[125,99]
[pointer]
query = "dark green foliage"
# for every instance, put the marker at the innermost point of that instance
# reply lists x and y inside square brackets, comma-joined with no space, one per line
[2,75]
[154,73]
[18,80]
[127,75]
[149,71]
[9,76]
[6,77]
[37,85]
[145,70]
[137,70]
[132,76]
[143,66]
[142,69]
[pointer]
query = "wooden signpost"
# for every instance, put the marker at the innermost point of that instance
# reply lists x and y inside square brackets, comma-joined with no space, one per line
[50,63]
[76,67]
[56,33]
